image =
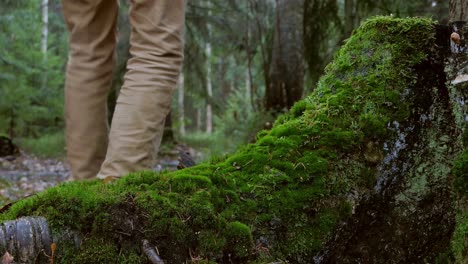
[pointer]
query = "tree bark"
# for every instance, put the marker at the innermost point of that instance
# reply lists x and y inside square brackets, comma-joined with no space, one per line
[287,70]
[458,10]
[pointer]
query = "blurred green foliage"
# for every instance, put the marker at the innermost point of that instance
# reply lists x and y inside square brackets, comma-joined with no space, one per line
[31,88]
[51,145]
[31,93]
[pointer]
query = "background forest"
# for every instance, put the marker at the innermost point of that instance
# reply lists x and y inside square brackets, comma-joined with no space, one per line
[246,61]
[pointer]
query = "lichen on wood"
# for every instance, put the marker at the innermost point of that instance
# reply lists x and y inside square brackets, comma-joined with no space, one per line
[372,146]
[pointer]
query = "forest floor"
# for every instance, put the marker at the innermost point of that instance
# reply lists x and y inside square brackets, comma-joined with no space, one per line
[26,174]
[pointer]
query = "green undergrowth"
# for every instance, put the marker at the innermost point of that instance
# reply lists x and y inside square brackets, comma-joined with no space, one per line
[275,200]
[46,146]
[460,236]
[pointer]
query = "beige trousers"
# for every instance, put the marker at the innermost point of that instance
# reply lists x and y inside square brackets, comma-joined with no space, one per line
[156,48]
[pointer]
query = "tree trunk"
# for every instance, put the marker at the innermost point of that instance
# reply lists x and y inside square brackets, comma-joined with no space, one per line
[248,85]
[45,33]
[180,100]
[320,19]
[168,134]
[45,27]
[209,91]
[209,88]
[250,93]
[350,15]
[458,10]
[264,41]
[199,119]
[287,70]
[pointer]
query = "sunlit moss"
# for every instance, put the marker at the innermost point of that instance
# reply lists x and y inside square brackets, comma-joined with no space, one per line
[239,240]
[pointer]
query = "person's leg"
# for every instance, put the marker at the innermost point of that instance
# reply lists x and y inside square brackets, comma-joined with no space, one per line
[156,48]
[92,26]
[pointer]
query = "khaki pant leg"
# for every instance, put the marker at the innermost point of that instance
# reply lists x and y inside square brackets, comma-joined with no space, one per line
[92,26]
[156,48]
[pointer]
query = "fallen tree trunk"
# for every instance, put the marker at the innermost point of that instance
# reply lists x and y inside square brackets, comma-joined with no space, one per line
[29,240]
[362,170]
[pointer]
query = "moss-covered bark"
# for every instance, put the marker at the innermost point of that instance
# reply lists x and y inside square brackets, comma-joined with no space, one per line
[457,70]
[373,146]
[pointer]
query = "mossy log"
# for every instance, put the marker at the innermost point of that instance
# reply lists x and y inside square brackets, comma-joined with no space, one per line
[370,168]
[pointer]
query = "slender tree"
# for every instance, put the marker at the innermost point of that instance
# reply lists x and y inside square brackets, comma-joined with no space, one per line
[248,71]
[350,17]
[287,69]
[45,27]
[322,34]
[199,119]
[209,88]
[44,39]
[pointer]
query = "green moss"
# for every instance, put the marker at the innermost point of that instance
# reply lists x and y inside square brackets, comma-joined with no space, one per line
[460,171]
[465,138]
[459,243]
[460,238]
[289,189]
[239,240]
[374,125]
[211,243]
[98,250]
[298,108]
[189,183]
